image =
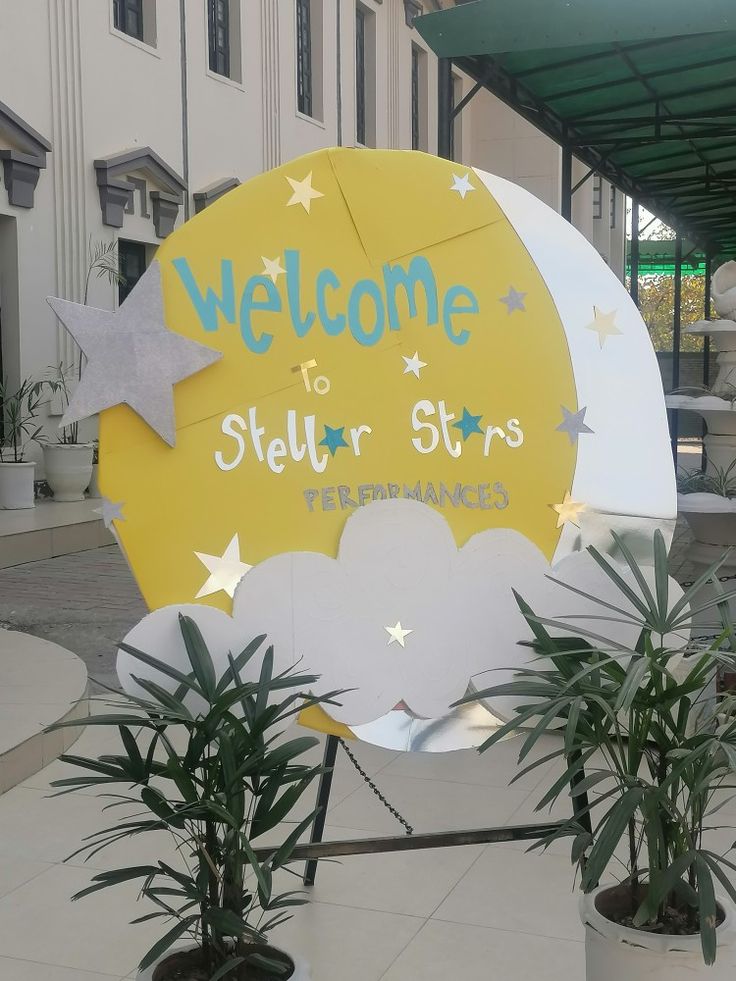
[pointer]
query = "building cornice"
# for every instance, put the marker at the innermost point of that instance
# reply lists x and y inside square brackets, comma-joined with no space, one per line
[23,164]
[116,193]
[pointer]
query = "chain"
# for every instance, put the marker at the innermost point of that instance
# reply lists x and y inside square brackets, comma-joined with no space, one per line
[687,585]
[376,791]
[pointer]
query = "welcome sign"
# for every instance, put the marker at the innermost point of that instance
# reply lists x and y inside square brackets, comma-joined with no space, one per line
[387,327]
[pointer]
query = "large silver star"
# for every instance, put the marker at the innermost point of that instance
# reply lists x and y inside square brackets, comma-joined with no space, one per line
[132,357]
[573,423]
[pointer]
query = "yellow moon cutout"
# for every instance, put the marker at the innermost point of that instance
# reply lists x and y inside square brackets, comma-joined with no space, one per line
[384,333]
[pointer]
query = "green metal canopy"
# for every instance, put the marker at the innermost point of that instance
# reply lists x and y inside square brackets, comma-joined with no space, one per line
[643,92]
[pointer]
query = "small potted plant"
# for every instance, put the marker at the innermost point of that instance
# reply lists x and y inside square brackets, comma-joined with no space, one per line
[68,463]
[19,410]
[645,735]
[208,767]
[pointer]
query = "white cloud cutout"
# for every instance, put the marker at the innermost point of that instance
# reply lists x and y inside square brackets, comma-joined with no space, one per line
[397,562]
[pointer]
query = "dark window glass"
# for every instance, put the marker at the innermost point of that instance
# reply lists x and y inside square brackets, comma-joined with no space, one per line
[128,17]
[360,75]
[597,197]
[218,21]
[414,98]
[613,207]
[304,56]
[131,266]
[453,119]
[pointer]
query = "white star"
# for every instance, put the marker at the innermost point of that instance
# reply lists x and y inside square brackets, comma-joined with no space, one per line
[461,184]
[603,324]
[397,634]
[272,267]
[132,358]
[110,511]
[225,570]
[303,192]
[413,364]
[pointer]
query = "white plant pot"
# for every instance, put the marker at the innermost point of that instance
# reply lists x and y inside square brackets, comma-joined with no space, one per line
[94,487]
[617,953]
[68,469]
[16,485]
[301,968]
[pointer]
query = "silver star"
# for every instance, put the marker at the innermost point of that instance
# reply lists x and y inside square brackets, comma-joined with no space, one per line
[110,511]
[461,184]
[413,365]
[573,423]
[132,358]
[514,300]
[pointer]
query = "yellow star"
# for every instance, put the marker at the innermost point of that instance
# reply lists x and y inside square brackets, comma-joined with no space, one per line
[272,267]
[397,634]
[303,192]
[569,510]
[603,324]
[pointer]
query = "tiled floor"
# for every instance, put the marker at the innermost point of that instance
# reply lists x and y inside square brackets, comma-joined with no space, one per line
[469,912]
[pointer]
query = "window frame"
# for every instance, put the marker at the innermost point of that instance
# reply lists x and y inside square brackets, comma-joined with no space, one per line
[360,76]
[218,52]
[122,10]
[126,248]
[304,67]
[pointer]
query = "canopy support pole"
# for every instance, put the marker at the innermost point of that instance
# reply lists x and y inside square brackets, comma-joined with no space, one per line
[706,340]
[676,331]
[566,184]
[634,285]
[445,117]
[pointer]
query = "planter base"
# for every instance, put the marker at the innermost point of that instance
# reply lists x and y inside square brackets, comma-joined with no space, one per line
[614,952]
[16,485]
[68,469]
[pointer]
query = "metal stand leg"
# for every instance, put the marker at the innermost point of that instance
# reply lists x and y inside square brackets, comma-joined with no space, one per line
[323,797]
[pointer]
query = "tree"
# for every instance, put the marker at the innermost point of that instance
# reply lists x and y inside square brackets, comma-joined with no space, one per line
[657,304]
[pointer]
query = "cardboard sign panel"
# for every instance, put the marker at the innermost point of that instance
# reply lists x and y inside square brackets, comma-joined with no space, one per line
[392,327]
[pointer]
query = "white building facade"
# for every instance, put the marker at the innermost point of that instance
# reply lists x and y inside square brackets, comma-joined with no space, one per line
[121,118]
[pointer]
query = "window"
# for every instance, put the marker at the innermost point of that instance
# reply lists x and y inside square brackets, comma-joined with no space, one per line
[304,56]
[218,29]
[418,98]
[131,266]
[365,77]
[128,17]
[614,204]
[360,16]
[597,196]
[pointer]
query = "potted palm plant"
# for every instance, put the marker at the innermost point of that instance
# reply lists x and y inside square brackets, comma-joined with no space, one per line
[648,740]
[209,768]
[67,462]
[19,410]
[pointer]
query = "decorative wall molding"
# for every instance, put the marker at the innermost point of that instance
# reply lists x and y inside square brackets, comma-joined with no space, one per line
[271,100]
[395,40]
[116,189]
[70,178]
[208,195]
[22,166]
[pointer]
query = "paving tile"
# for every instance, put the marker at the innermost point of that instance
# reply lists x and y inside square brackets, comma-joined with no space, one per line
[428,805]
[346,944]
[458,952]
[92,935]
[395,882]
[15,870]
[13,969]
[510,890]
[494,768]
